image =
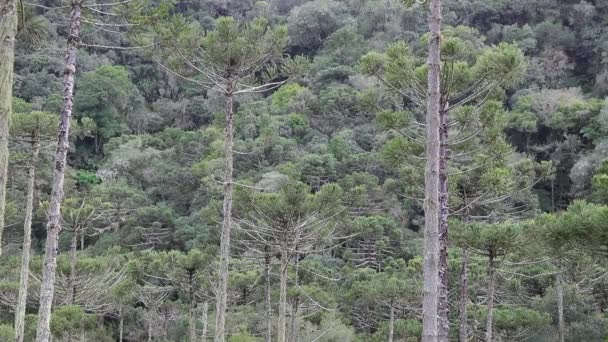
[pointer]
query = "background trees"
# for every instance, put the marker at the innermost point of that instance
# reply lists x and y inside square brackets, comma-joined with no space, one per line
[155,169]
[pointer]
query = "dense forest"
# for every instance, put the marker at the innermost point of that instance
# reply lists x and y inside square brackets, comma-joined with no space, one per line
[304,170]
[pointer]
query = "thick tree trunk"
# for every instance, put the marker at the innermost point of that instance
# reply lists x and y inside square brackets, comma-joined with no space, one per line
[560,304]
[464,296]
[431,203]
[282,322]
[444,303]
[27,245]
[267,260]
[73,261]
[54,225]
[391,322]
[222,294]
[491,292]
[8,29]
[204,320]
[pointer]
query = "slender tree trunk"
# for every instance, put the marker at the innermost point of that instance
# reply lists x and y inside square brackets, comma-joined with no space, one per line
[391,322]
[8,29]
[73,261]
[431,203]
[27,245]
[444,303]
[267,261]
[204,318]
[54,225]
[464,296]
[222,295]
[121,325]
[150,330]
[491,292]
[192,321]
[294,306]
[82,241]
[560,304]
[282,333]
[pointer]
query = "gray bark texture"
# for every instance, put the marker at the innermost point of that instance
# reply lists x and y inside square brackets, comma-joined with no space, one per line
[222,294]
[27,245]
[268,296]
[204,320]
[8,29]
[391,323]
[282,322]
[560,304]
[431,204]
[491,293]
[444,303]
[43,333]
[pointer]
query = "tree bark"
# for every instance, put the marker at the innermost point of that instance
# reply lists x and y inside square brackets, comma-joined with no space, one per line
[150,331]
[491,292]
[391,322]
[464,296]
[27,245]
[204,318]
[54,225]
[293,337]
[444,303]
[267,260]
[192,310]
[222,295]
[192,321]
[560,304]
[8,29]
[282,324]
[121,325]
[431,203]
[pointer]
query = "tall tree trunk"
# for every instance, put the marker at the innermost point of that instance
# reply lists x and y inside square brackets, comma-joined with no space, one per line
[150,330]
[73,261]
[293,337]
[431,203]
[204,320]
[491,292]
[444,303]
[267,260]
[464,296]
[391,322]
[560,304]
[222,294]
[27,245]
[282,324]
[8,29]
[192,321]
[54,225]
[121,325]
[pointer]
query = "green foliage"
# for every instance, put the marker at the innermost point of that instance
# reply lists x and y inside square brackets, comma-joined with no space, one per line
[342,139]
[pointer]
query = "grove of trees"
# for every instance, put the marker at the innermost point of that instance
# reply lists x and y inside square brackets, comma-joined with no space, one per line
[304,170]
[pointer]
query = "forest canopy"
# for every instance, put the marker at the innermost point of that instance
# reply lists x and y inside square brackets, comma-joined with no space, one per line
[240,170]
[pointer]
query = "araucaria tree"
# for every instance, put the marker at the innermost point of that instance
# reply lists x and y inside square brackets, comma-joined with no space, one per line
[43,332]
[232,60]
[293,223]
[31,129]
[8,29]
[469,79]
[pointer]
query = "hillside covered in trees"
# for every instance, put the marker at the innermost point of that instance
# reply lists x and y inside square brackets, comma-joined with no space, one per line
[299,171]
